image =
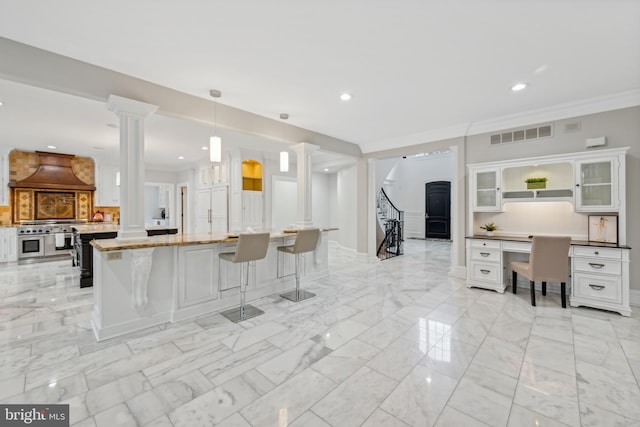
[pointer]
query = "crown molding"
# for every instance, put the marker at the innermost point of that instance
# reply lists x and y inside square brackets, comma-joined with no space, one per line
[630,98]
[567,110]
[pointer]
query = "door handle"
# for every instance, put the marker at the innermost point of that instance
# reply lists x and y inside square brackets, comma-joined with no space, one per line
[209,214]
[485,254]
[485,271]
[596,287]
[426,216]
[595,265]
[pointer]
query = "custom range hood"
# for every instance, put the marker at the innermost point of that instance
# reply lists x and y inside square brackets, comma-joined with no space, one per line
[54,173]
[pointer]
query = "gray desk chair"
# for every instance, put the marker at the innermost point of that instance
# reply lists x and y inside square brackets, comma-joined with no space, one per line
[548,262]
[306,241]
[251,247]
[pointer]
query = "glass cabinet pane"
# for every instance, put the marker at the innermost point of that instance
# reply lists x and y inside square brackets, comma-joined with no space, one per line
[596,195]
[486,180]
[487,198]
[596,173]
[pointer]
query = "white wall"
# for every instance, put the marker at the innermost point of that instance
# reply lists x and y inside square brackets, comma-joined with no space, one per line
[320,198]
[405,186]
[151,202]
[347,207]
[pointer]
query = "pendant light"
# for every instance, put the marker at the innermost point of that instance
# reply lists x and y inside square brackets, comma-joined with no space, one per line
[215,142]
[284,155]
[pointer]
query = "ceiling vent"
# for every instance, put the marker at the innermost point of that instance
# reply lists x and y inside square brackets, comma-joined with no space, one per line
[518,135]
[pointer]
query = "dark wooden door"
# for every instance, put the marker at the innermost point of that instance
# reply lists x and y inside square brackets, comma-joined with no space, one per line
[438,210]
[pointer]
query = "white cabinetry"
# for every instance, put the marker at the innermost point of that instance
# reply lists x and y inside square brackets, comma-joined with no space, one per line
[4,177]
[486,190]
[597,185]
[107,185]
[8,244]
[252,209]
[601,278]
[211,210]
[484,264]
[198,274]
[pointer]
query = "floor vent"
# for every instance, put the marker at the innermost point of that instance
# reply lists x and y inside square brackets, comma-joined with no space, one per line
[543,131]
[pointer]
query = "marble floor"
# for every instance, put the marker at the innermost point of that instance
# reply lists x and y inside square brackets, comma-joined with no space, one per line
[398,343]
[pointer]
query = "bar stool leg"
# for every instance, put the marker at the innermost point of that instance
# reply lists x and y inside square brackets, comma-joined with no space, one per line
[298,294]
[245,311]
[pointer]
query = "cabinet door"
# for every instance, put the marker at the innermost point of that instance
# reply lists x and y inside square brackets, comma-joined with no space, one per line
[107,186]
[198,274]
[11,236]
[219,209]
[3,246]
[252,209]
[486,190]
[597,185]
[203,211]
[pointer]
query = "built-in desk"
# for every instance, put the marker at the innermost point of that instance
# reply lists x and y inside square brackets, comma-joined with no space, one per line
[599,273]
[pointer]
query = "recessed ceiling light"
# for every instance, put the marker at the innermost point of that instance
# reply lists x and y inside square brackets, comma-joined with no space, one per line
[53,147]
[180,157]
[345,96]
[518,87]
[1,103]
[204,147]
[326,169]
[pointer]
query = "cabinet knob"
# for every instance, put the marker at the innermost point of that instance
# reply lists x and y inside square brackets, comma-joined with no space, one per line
[597,253]
[577,185]
[498,189]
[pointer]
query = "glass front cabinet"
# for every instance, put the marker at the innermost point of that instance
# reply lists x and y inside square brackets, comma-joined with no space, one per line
[486,190]
[597,185]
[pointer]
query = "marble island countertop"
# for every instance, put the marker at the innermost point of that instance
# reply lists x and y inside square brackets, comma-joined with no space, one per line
[111,227]
[106,245]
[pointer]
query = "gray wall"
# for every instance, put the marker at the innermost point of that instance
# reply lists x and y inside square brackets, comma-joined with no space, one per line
[622,129]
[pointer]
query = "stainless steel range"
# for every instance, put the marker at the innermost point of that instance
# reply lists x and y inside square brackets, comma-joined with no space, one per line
[45,239]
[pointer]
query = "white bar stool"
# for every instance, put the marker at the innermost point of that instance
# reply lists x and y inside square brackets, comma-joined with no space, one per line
[251,247]
[306,241]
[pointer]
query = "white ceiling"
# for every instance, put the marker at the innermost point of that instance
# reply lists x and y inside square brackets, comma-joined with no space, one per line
[414,66]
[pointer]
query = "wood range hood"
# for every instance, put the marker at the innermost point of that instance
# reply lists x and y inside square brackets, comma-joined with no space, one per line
[54,173]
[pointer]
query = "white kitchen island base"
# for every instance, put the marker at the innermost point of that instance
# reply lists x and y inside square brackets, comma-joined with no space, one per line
[138,285]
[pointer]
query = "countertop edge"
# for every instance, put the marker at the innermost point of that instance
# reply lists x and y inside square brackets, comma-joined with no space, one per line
[528,240]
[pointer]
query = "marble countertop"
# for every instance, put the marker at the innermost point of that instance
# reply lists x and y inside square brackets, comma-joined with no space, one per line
[111,227]
[528,240]
[105,245]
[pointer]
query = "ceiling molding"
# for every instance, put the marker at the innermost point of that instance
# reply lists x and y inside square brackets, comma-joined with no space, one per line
[584,107]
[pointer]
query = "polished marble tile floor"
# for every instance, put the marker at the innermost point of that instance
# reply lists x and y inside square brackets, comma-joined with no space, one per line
[393,344]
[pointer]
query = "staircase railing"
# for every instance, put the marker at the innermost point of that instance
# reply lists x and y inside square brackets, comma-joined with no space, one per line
[392,220]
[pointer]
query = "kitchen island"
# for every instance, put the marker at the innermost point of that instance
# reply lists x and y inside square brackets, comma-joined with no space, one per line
[83,234]
[168,278]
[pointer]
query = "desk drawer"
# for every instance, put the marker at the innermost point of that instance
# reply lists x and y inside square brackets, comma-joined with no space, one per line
[597,265]
[485,272]
[599,288]
[484,254]
[494,244]
[516,247]
[595,252]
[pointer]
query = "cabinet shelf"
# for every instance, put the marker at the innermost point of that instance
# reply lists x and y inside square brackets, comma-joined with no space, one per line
[547,194]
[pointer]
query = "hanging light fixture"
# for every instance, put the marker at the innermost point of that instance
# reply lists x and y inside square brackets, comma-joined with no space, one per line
[215,142]
[284,155]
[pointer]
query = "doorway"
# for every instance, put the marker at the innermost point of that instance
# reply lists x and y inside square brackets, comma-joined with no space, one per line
[438,210]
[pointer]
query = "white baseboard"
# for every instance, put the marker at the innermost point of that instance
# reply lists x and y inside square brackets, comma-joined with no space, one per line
[634,297]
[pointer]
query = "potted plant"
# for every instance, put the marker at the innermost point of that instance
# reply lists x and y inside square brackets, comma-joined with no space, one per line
[489,228]
[533,183]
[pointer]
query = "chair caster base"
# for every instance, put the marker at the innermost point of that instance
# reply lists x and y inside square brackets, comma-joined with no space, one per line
[297,296]
[235,316]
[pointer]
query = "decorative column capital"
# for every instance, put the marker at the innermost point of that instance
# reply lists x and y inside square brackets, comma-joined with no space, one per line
[120,105]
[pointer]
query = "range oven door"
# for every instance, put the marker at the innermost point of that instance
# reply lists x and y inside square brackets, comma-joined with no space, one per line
[30,246]
[57,244]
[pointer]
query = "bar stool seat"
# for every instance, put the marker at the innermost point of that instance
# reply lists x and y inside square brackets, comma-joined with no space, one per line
[251,247]
[306,241]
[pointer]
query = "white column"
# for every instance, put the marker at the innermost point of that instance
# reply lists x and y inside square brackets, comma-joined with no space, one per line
[132,114]
[303,169]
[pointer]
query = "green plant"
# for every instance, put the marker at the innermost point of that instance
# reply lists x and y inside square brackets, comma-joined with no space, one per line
[489,227]
[530,180]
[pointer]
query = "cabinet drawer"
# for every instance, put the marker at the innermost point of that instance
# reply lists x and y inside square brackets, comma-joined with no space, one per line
[595,252]
[495,244]
[485,272]
[597,265]
[516,247]
[484,254]
[599,288]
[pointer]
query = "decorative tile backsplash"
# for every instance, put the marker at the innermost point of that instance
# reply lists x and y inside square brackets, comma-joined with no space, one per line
[23,164]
